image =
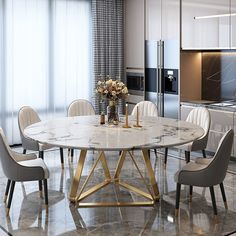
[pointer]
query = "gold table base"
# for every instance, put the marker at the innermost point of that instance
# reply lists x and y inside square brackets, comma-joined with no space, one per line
[152,195]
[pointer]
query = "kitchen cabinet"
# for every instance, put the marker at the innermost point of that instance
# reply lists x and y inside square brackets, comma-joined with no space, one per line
[221,121]
[206,24]
[134,34]
[234,135]
[162,19]
[233,24]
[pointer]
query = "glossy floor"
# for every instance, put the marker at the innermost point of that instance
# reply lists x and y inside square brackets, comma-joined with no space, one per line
[28,216]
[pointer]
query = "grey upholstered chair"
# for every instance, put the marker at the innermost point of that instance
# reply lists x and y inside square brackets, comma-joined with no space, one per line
[145,108]
[199,116]
[26,117]
[80,107]
[31,169]
[207,173]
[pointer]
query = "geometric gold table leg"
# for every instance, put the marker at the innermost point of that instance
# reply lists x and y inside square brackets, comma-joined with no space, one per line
[77,176]
[151,174]
[119,165]
[105,166]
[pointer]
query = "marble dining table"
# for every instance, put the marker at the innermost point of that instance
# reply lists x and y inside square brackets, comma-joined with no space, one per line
[86,133]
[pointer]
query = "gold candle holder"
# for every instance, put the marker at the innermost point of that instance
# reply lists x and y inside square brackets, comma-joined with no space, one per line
[126,125]
[137,119]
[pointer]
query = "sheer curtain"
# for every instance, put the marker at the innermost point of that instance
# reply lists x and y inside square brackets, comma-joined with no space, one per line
[45,58]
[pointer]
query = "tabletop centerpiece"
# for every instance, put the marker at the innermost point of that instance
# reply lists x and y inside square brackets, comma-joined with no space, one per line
[111,90]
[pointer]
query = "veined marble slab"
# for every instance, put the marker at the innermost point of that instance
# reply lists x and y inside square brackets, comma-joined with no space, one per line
[85,132]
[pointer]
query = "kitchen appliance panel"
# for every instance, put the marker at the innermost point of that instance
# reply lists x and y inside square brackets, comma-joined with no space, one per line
[161,83]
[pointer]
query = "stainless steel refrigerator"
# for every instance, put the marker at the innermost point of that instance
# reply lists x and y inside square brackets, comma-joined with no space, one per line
[161,76]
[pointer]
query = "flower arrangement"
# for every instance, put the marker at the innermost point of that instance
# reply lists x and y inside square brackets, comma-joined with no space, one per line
[111,89]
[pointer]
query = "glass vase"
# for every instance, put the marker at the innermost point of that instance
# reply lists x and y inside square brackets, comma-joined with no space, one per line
[112,113]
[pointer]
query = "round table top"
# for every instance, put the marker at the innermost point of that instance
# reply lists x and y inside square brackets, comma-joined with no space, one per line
[85,132]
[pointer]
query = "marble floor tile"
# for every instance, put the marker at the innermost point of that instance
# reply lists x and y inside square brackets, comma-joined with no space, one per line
[28,215]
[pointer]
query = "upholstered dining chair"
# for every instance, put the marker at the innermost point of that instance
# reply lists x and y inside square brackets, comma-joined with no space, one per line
[31,169]
[199,116]
[207,173]
[145,108]
[80,107]
[28,116]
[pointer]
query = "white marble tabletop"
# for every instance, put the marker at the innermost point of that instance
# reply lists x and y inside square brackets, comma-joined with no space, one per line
[85,132]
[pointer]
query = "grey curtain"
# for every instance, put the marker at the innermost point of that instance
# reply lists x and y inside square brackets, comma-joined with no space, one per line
[108,42]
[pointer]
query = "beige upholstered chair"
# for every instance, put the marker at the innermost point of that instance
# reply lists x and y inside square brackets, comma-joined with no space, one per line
[207,173]
[80,107]
[26,117]
[146,108]
[199,116]
[31,169]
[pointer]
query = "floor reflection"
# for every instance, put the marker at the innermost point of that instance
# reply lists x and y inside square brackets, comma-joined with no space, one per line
[28,216]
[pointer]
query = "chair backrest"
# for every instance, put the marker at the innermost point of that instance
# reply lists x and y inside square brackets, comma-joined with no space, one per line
[201,116]
[217,168]
[27,116]
[146,108]
[14,170]
[9,165]
[80,107]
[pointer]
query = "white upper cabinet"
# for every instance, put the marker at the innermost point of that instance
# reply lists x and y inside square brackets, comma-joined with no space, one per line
[162,19]
[134,34]
[233,24]
[153,20]
[206,24]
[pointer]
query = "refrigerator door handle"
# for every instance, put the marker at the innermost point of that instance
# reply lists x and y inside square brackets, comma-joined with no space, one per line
[160,78]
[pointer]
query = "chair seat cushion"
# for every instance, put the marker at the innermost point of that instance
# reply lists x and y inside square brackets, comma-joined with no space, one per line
[23,157]
[37,163]
[186,147]
[186,174]
[203,161]
[43,147]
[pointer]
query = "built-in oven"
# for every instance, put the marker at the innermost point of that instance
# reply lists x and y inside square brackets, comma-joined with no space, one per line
[135,83]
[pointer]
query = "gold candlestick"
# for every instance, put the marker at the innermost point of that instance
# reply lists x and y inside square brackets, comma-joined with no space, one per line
[137,119]
[126,117]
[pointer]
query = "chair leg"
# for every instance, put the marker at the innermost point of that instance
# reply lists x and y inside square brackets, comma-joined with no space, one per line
[62,158]
[7,189]
[190,193]
[223,195]
[155,151]
[10,196]
[187,156]
[24,151]
[149,154]
[45,184]
[166,154]
[204,153]
[213,200]
[72,154]
[40,189]
[41,154]
[178,188]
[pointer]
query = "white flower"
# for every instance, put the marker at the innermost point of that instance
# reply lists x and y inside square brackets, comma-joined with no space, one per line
[125,90]
[109,82]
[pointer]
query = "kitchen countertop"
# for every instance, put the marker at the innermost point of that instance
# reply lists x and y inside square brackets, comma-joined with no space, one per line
[224,105]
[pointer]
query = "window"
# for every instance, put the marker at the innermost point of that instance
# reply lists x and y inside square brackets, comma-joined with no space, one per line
[45,58]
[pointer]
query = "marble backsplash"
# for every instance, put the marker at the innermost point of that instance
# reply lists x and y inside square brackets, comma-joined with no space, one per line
[218,75]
